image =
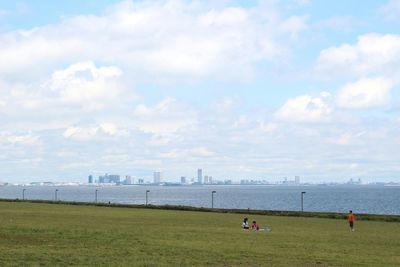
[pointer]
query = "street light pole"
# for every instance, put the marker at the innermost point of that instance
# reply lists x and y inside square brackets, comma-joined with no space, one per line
[95,199]
[23,194]
[302,201]
[212,198]
[147,197]
[55,194]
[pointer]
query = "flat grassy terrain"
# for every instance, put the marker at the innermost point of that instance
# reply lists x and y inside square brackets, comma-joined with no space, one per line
[33,234]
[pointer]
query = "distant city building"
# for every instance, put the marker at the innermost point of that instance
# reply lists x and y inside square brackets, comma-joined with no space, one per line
[157,177]
[285,181]
[128,179]
[140,181]
[206,179]
[200,176]
[358,182]
[255,182]
[183,180]
[107,179]
[115,178]
[210,180]
[101,179]
[90,179]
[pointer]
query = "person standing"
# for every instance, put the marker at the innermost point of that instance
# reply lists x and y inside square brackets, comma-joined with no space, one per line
[351,218]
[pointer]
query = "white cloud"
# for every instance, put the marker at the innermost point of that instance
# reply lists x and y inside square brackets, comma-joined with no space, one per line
[373,53]
[24,139]
[295,25]
[391,10]
[89,133]
[72,81]
[155,39]
[306,108]
[69,93]
[346,138]
[76,165]
[86,84]
[340,23]
[188,154]
[80,133]
[166,117]
[365,93]
[115,158]
[201,152]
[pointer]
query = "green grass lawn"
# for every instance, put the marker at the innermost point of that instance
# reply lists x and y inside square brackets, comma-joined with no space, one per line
[33,234]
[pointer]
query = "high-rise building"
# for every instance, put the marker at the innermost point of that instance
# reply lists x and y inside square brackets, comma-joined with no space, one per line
[102,178]
[157,177]
[114,178]
[200,176]
[90,179]
[297,179]
[206,179]
[140,181]
[128,179]
[183,180]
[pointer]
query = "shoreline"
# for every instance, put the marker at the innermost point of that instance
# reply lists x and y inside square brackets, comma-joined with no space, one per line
[305,214]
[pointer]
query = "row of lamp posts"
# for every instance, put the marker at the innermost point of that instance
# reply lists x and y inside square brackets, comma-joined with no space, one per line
[147,197]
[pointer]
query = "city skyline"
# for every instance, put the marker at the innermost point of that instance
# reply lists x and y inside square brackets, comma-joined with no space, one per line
[239,89]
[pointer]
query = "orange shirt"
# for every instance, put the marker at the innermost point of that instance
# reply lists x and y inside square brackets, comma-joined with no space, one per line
[351,217]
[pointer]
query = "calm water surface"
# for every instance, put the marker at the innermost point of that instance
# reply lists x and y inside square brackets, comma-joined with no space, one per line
[361,199]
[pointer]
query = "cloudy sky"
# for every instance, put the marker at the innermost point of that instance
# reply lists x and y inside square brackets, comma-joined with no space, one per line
[242,89]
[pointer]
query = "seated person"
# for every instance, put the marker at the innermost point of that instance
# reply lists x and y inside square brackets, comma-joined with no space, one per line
[245,224]
[255,226]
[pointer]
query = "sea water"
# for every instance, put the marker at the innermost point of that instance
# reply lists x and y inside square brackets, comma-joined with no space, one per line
[360,199]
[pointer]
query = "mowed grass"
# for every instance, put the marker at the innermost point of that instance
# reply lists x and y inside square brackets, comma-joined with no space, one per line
[33,234]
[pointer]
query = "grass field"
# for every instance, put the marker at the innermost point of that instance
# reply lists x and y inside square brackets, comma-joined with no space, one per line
[33,234]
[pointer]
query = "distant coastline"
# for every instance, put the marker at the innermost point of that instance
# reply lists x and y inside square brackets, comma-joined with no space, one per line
[325,215]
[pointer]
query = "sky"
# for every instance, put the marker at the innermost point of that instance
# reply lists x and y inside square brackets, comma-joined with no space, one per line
[242,89]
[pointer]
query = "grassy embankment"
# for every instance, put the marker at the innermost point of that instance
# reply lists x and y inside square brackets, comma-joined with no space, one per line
[60,235]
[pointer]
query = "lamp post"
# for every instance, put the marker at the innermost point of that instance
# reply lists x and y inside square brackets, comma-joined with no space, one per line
[302,201]
[55,194]
[95,196]
[147,196]
[23,194]
[212,198]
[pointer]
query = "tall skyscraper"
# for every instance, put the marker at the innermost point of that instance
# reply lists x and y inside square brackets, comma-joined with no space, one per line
[114,178]
[128,179]
[103,179]
[200,176]
[157,177]
[90,179]
[106,179]
[183,180]
[205,179]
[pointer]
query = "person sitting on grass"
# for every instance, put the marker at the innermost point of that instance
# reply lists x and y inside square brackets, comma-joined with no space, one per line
[245,224]
[255,226]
